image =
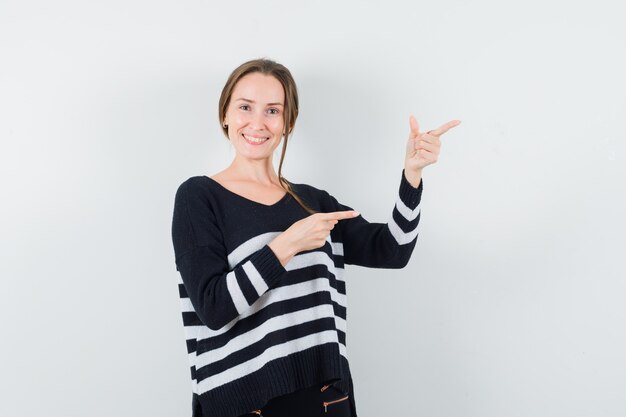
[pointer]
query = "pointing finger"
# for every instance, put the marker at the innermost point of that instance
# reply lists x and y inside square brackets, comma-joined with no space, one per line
[339,215]
[444,128]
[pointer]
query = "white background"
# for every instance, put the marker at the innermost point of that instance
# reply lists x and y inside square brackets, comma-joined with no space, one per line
[513,302]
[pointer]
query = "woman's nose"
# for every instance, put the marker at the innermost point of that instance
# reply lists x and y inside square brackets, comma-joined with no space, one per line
[258,120]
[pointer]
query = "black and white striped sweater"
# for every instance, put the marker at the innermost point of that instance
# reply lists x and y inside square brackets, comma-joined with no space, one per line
[255,329]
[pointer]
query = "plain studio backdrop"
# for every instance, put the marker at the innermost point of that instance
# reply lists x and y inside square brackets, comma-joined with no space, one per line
[513,302]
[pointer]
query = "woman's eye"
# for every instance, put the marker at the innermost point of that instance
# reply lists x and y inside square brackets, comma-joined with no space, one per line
[276,111]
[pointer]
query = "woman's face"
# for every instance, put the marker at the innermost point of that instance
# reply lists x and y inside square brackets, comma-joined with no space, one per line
[255,111]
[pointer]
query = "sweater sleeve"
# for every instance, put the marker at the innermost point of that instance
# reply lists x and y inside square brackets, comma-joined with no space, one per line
[218,293]
[383,245]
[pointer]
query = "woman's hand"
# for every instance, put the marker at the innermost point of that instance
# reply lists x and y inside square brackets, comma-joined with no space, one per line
[423,148]
[308,233]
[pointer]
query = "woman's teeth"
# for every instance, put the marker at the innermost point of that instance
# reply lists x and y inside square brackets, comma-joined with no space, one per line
[254,140]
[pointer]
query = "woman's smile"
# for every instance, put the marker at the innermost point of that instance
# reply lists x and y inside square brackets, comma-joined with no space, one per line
[254,140]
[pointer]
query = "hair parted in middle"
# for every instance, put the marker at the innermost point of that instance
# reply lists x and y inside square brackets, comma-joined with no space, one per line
[283,75]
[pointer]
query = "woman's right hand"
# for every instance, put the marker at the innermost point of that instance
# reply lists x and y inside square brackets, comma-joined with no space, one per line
[306,234]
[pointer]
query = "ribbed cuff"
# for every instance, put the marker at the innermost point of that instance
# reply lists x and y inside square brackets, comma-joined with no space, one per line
[268,265]
[410,195]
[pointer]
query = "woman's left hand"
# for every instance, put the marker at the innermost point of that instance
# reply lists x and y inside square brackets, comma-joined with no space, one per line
[423,148]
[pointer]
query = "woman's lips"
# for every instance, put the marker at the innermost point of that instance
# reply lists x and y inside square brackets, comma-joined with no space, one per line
[251,142]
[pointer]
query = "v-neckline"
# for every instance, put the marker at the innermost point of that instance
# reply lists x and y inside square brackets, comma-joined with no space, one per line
[284,197]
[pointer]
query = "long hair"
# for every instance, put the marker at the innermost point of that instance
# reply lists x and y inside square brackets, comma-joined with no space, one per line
[281,73]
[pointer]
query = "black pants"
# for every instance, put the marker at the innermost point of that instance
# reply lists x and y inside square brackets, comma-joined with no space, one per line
[319,400]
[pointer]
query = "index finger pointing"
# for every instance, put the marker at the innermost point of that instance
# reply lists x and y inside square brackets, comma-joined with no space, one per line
[444,128]
[339,215]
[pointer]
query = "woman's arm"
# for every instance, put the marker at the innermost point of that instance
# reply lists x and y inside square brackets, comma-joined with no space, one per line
[383,245]
[217,292]
[390,245]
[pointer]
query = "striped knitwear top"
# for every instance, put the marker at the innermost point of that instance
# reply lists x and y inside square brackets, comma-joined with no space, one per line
[256,329]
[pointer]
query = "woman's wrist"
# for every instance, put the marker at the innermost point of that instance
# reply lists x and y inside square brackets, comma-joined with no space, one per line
[283,251]
[413,177]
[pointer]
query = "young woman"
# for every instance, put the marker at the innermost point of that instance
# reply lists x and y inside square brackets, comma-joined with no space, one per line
[261,262]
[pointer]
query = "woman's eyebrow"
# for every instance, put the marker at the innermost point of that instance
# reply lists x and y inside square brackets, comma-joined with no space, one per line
[252,101]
